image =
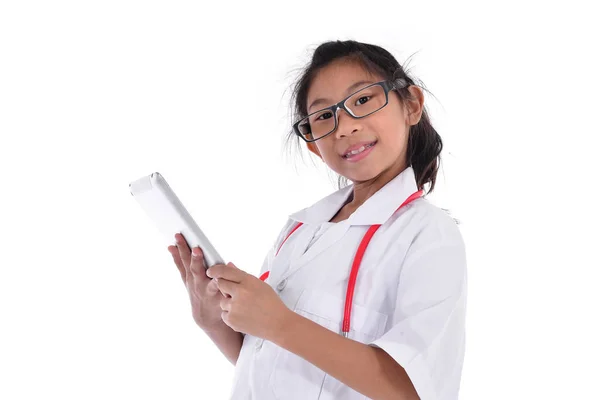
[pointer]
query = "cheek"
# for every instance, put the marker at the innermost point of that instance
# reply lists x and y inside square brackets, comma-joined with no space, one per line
[328,153]
[393,140]
[394,132]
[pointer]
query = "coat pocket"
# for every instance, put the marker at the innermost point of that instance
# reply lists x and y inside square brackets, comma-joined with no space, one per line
[295,378]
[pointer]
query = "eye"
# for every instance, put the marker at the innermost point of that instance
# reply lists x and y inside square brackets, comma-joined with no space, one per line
[363,100]
[327,115]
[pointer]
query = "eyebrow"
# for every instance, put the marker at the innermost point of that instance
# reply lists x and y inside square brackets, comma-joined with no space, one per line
[348,91]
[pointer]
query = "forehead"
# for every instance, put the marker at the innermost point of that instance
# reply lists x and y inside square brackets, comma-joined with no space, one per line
[331,82]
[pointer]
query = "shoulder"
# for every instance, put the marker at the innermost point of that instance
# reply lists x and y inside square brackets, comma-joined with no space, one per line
[430,223]
[286,229]
[429,247]
[422,229]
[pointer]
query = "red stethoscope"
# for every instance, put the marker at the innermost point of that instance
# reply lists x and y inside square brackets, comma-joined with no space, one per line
[355,264]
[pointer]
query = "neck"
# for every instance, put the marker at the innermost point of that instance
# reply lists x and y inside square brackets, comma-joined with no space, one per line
[365,189]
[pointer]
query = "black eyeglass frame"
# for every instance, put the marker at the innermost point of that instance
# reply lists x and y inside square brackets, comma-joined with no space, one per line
[386,85]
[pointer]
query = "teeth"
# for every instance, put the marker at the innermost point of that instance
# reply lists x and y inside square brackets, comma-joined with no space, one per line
[358,150]
[355,152]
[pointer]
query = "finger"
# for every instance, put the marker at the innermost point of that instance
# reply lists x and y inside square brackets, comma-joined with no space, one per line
[225,318]
[197,267]
[225,304]
[229,272]
[184,250]
[177,260]
[213,288]
[228,288]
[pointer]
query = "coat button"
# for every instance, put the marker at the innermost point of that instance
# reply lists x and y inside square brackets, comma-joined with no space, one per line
[281,285]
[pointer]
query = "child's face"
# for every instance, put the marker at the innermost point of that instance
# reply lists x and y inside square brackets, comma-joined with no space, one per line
[389,126]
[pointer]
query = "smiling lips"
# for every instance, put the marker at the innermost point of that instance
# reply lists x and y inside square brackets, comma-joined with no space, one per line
[360,149]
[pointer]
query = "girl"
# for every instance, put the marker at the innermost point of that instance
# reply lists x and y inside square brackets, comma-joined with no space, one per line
[363,293]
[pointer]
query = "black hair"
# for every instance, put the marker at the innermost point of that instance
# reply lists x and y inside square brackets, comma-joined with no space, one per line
[424,143]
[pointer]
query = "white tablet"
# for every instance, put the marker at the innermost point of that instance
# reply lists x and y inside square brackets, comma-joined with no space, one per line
[170,216]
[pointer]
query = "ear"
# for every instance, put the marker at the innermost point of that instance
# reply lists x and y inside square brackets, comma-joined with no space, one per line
[415,106]
[313,148]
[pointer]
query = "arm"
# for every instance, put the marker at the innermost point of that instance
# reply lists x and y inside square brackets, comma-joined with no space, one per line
[230,341]
[227,340]
[366,369]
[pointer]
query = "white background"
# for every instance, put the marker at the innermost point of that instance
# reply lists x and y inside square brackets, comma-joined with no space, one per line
[94,95]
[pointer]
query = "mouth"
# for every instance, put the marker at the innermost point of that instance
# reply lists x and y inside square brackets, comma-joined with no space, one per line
[360,153]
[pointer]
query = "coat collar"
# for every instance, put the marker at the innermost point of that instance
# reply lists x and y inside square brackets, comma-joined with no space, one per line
[376,210]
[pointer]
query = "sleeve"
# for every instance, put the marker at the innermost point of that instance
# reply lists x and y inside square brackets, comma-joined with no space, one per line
[426,333]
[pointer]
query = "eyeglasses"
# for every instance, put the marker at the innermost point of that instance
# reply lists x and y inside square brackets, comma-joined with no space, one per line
[360,104]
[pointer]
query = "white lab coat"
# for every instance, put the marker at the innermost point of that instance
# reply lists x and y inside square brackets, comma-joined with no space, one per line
[409,299]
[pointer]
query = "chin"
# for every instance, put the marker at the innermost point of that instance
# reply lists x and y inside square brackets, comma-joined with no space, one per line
[360,176]
[364,172]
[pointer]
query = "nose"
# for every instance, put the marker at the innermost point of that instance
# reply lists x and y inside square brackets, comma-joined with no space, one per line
[346,124]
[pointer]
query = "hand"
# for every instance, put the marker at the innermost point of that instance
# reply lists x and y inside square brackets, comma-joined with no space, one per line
[253,307]
[205,297]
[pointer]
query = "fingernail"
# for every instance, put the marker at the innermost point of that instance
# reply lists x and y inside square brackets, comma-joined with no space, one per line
[196,252]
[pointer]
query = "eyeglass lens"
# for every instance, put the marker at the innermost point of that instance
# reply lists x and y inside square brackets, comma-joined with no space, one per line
[362,103]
